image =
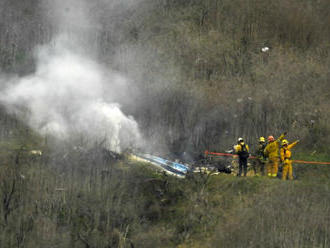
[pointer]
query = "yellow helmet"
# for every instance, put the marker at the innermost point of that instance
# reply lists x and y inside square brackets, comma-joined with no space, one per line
[285,142]
[262,139]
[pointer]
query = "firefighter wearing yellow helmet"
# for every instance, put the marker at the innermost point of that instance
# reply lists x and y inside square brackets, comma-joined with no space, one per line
[242,150]
[272,152]
[261,159]
[286,158]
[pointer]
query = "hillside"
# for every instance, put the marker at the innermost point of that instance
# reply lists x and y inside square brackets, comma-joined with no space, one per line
[204,59]
[86,83]
[77,198]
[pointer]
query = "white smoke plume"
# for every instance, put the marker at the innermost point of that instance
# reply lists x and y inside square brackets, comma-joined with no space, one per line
[70,94]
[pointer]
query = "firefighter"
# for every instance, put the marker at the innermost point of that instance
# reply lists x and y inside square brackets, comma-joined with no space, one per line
[242,150]
[286,158]
[260,157]
[272,153]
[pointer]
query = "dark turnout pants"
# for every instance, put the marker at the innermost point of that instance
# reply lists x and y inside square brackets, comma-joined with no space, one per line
[259,165]
[242,165]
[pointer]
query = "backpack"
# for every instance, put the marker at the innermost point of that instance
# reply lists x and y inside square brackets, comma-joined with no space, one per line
[243,153]
[260,153]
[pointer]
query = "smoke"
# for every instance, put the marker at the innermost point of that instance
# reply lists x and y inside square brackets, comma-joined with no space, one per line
[69,94]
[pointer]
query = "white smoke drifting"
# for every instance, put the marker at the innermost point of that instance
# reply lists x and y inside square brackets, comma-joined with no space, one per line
[65,97]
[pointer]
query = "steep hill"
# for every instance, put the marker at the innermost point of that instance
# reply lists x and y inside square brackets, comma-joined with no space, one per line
[200,77]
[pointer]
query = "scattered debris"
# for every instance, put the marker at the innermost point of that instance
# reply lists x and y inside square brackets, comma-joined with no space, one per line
[265,49]
[181,169]
[36,152]
[206,170]
[313,152]
[168,167]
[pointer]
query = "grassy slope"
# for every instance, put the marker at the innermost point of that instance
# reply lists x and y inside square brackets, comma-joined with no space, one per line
[258,212]
[78,199]
[126,203]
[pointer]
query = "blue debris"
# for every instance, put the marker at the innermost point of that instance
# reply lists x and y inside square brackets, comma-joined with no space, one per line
[174,167]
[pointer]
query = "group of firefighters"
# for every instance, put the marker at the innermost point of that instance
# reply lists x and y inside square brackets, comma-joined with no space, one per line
[269,154]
